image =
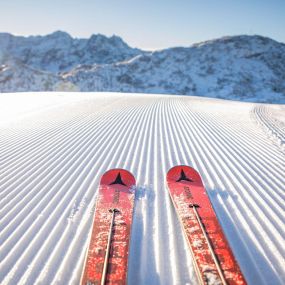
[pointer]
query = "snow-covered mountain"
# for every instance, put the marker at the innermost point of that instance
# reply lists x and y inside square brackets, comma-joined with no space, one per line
[248,68]
[15,75]
[59,52]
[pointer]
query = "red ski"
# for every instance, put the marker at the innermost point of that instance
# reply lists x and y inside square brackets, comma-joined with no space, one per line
[107,257]
[213,259]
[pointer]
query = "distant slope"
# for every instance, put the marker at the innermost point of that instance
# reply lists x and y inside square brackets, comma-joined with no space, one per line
[54,148]
[246,68]
[15,75]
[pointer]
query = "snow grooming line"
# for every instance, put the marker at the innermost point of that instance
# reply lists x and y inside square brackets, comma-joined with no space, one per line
[213,259]
[107,256]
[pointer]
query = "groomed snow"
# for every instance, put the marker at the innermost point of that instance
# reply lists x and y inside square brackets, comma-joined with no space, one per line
[55,146]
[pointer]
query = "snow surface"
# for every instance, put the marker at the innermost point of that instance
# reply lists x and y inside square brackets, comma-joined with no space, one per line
[55,146]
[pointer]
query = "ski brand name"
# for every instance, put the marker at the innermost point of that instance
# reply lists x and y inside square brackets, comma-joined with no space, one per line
[116,197]
[188,192]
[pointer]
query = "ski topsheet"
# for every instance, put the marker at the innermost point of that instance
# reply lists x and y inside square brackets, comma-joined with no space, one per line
[107,257]
[213,259]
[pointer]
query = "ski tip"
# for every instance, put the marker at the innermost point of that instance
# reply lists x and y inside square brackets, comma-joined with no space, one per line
[183,174]
[118,176]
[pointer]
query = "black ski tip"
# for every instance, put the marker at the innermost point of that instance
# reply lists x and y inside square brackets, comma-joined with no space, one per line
[118,180]
[183,177]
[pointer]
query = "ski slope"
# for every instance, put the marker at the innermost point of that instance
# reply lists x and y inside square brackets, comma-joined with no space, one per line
[55,146]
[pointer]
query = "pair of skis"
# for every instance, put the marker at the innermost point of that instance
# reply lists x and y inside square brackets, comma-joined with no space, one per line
[107,257]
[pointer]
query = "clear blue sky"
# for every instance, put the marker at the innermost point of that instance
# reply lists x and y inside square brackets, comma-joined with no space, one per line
[148,24]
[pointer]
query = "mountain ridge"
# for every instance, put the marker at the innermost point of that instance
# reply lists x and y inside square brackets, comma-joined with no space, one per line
[246,68]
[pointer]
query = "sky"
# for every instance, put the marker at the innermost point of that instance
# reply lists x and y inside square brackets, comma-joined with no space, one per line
[146,24]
